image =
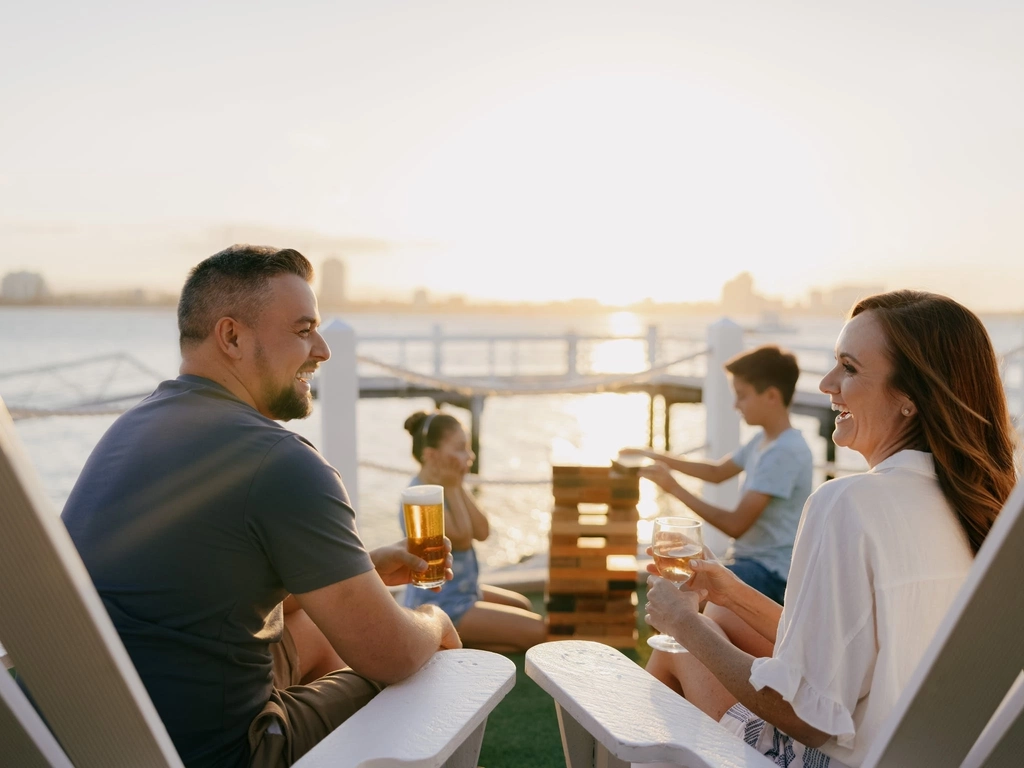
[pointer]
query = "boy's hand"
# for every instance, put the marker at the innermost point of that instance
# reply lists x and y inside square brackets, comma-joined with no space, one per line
[660,474]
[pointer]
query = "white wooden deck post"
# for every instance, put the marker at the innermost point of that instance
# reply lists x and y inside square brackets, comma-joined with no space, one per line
[652,346]
[438,346]
[338,393]
[571,341]
[725,339]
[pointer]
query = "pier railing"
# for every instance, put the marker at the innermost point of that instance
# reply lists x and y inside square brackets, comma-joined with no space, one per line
[477,365]
[512,355]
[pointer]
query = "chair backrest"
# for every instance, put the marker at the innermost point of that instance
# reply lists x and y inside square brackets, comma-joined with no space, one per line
[56,630]
[970,668]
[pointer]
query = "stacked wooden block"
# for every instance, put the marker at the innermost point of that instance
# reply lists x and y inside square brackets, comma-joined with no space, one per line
[591,586]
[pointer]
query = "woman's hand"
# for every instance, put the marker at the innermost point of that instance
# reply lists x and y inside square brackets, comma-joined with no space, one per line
[710,577]
[713,579]
[669,608]
[395,564]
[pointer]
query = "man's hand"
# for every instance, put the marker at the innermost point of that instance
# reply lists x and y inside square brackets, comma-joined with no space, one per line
[450,637]
[395,564]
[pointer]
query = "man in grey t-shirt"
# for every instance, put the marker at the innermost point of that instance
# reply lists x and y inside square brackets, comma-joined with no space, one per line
[199,518]
[777,465]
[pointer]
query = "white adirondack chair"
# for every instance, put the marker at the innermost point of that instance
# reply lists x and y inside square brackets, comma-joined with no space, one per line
[96,709]
[964,705]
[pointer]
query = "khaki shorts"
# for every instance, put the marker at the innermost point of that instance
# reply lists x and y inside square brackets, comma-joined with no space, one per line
[298,717]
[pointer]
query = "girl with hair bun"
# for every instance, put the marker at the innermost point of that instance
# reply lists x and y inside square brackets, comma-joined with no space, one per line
[486,617]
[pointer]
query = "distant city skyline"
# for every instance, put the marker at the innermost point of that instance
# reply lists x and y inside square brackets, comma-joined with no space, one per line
[524,152]
[739,297]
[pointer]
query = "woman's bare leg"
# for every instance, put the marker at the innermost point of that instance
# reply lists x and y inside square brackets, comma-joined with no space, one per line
[506,597]
[688,677]
[501,628]
[742,635]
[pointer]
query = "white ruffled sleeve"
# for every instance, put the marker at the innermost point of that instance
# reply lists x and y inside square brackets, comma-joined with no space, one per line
[825,650]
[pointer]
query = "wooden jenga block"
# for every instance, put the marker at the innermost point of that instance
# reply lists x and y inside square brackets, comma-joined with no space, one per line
[590,617]
[615,641]
[593,525]
[602,494]
[579,470]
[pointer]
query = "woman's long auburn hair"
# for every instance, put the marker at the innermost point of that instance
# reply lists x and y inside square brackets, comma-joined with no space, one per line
[944,362]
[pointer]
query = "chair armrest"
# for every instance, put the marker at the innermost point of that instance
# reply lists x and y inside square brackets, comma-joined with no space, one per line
[604,696]
[423,720]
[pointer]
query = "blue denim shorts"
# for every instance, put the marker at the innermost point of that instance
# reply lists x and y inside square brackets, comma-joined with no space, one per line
[760,578]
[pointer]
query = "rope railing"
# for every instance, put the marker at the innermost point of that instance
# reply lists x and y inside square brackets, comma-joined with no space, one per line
[470,387]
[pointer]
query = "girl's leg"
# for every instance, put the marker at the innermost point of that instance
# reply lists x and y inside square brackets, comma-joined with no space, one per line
[688,677]
[501,628]
[506,597]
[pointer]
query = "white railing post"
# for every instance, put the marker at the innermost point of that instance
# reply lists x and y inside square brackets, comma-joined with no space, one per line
[571,343]
[438,356]
[725,339]
[652,346]
[338,393]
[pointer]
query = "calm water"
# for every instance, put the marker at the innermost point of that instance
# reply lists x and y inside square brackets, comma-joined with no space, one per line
[520,436]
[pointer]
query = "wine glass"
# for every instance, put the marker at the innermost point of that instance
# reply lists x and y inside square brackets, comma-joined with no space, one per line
[675,541]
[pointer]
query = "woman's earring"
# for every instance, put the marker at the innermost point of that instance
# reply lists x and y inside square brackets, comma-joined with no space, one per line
[906,411]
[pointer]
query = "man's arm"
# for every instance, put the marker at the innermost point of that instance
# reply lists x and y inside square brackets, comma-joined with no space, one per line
[708,471]
[375,635]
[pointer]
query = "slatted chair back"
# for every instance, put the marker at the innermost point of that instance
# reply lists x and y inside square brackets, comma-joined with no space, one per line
[970,667]
[55,628]
[963,707]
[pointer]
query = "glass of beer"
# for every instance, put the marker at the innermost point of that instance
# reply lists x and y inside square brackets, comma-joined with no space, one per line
[423,507]
[675,541]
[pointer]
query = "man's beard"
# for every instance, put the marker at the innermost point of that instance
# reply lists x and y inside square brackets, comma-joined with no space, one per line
[287,403]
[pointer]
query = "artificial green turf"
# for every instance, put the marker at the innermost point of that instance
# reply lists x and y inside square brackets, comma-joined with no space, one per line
[523,730]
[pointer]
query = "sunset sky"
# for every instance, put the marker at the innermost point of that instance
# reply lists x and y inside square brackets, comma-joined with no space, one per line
[521,151]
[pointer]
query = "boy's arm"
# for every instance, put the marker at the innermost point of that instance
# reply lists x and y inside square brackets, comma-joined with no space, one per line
[731,522]
[708,471]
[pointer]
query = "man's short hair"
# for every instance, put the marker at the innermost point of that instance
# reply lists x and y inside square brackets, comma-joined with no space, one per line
[767,366]
[233,283]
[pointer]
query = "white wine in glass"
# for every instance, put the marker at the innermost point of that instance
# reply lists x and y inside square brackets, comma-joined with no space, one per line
[675,542]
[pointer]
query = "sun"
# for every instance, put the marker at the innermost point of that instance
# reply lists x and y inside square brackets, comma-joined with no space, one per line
[616,188]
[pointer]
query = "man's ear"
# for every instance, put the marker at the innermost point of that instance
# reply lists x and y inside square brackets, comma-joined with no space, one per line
[226,332]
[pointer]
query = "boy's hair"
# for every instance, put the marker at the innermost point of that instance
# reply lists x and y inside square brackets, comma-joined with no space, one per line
[767,366]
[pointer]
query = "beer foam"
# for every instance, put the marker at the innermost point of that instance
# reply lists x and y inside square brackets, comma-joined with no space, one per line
[423,494]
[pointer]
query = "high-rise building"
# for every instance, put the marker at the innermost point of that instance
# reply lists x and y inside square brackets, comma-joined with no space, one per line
[332,284]
[739,297]
[23,287]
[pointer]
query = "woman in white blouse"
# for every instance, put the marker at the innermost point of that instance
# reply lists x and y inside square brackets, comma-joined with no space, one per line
[878,556]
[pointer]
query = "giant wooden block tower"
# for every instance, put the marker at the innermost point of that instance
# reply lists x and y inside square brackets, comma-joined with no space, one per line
[591,586]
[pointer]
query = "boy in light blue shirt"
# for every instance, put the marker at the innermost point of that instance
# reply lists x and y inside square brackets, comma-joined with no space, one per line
[777,467]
